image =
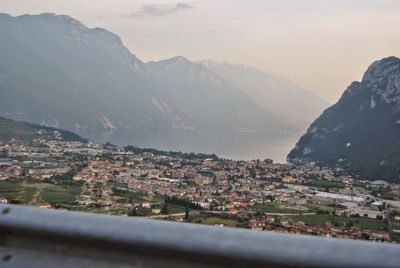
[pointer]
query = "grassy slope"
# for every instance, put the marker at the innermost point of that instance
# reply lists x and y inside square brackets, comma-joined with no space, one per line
[26,132]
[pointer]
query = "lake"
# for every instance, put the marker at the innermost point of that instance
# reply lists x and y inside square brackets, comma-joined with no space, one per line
[226,144]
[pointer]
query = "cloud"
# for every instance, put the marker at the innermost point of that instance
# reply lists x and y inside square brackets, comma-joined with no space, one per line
[160,10]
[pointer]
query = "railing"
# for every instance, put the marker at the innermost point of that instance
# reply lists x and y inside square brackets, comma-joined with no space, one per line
[33,237]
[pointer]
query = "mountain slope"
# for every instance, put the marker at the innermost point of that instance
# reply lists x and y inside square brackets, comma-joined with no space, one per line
[10,129]
[202,95]
[276,93]
[55,71]
[361,132]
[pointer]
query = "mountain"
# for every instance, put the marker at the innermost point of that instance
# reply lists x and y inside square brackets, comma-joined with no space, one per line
[10,129]
[201,95]
[361,132]
[273,92]
[57,72]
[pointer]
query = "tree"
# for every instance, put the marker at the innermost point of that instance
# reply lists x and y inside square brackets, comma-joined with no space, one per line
[268,161]
[365,236]
[182,202]
[132,212]
[187,213]
[164,209]
[350,224]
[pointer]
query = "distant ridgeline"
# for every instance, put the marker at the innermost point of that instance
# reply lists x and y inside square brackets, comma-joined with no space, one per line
[361,132]
[26,132]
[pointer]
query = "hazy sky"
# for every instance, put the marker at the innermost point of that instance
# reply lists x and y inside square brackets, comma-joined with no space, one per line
[322,45]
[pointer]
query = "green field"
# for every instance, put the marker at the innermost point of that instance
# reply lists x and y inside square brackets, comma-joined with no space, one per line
[325,184]
[275,208]
[391,195]
[156,201]
[322,219]
[217,220]
[212,219]
[101,210]
[33,192]
[131,197]
[173,209]
[315,207]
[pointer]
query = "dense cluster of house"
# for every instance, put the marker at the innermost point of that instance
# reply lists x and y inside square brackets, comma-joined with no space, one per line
[265,193]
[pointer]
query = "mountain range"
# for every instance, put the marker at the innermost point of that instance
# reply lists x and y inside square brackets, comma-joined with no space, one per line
[55,71]
[273,92]
[361,132]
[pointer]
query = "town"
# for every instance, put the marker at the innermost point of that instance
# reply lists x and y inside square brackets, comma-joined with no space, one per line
[198,188]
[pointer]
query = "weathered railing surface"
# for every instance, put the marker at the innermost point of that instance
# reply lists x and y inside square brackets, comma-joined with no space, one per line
[32,237]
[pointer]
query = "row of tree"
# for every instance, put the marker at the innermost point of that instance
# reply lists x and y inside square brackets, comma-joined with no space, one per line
[182,202]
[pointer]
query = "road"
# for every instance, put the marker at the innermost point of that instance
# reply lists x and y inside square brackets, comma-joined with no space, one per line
[182,214]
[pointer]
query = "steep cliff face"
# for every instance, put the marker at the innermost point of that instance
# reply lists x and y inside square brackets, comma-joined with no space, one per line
[361,132]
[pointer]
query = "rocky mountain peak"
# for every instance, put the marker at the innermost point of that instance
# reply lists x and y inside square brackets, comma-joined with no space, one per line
[362,129]
[383,79]
[175,61]
[381,69]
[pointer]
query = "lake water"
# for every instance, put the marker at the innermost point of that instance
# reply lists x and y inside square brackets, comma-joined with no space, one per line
[227,144]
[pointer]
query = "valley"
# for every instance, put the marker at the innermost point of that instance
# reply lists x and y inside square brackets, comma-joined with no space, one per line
[198,188]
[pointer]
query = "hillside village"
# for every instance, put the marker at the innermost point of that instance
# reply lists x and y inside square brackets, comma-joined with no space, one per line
[199,188]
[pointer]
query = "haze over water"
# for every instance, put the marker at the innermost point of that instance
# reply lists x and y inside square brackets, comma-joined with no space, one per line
[226,144]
